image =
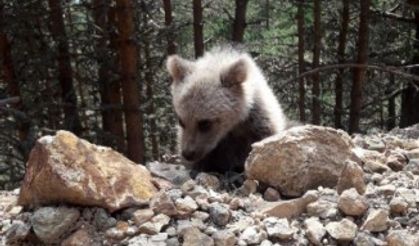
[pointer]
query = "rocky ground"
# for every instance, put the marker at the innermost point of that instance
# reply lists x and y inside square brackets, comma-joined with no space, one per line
[310,186]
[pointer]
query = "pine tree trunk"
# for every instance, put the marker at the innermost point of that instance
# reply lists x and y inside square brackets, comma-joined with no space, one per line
[13,90]
[151,111]
[410,95]
[109,90]
[359,73]
[168,21]
[150,95]
[239,21]
[391,104]
[343,36]
[198,28]
[65,72]
[128,55]
[301,62]
[316,62]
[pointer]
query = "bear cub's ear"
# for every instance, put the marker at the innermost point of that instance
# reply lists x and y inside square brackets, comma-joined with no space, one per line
[235,74]
[178,67]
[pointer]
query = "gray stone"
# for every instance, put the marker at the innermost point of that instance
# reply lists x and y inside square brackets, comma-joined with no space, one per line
[351,203]
[172,242]
[278,228]
[17,232]
[396,161]
[402,238]
[194,237]
[140,240]
[115,233]
[344,230]
[203,216]
[162,203]
[224,238]
[315,230]
[171,231]
[351,176]
[186,205]
[141,216]
[102,219]
[155,225]
[193,190]
[176,174]
[413,154]
[266,242]
[376,167]
[322,208]
[208,181]
[366,239]
[50,223]
[398,205]
[376,221]
[219,214]
[249,186]
[290,208]
[412,166]
[159,239]
[271,195]
[81,237]
[241,224]
[375,144]
[411,196]
[236,203]
[253,235]
[386,190]
[174,194]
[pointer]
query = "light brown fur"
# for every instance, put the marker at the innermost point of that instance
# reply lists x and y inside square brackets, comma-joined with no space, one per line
[226,90]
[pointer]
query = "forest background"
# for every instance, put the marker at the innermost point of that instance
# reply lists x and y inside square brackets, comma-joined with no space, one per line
[96,67]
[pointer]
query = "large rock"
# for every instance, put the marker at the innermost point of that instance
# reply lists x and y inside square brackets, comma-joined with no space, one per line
[64,168]
[300,159]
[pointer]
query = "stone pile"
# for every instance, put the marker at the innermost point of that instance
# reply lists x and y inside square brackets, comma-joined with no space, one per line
[371,198]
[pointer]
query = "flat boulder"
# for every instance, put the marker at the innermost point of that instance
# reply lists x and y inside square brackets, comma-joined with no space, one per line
[300,159]
[66,169]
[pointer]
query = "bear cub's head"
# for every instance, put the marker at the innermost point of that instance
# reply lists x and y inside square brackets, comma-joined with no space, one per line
[210,97]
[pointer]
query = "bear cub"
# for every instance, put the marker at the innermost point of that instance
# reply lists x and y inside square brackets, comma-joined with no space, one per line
[223,104]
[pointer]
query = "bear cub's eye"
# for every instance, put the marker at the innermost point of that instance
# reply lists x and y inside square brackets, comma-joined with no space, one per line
[204,125]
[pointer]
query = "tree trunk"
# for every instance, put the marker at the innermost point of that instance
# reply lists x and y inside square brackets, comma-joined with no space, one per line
[316,62]
[65,73]
[128,56]
[301,66]
[239,21]
[168,19]
[391,104]
[338,110]
[151,111]
[148,74]
[110,91]
[9,76]
[410,95]
[268,15]
[359,72]
[198,28]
